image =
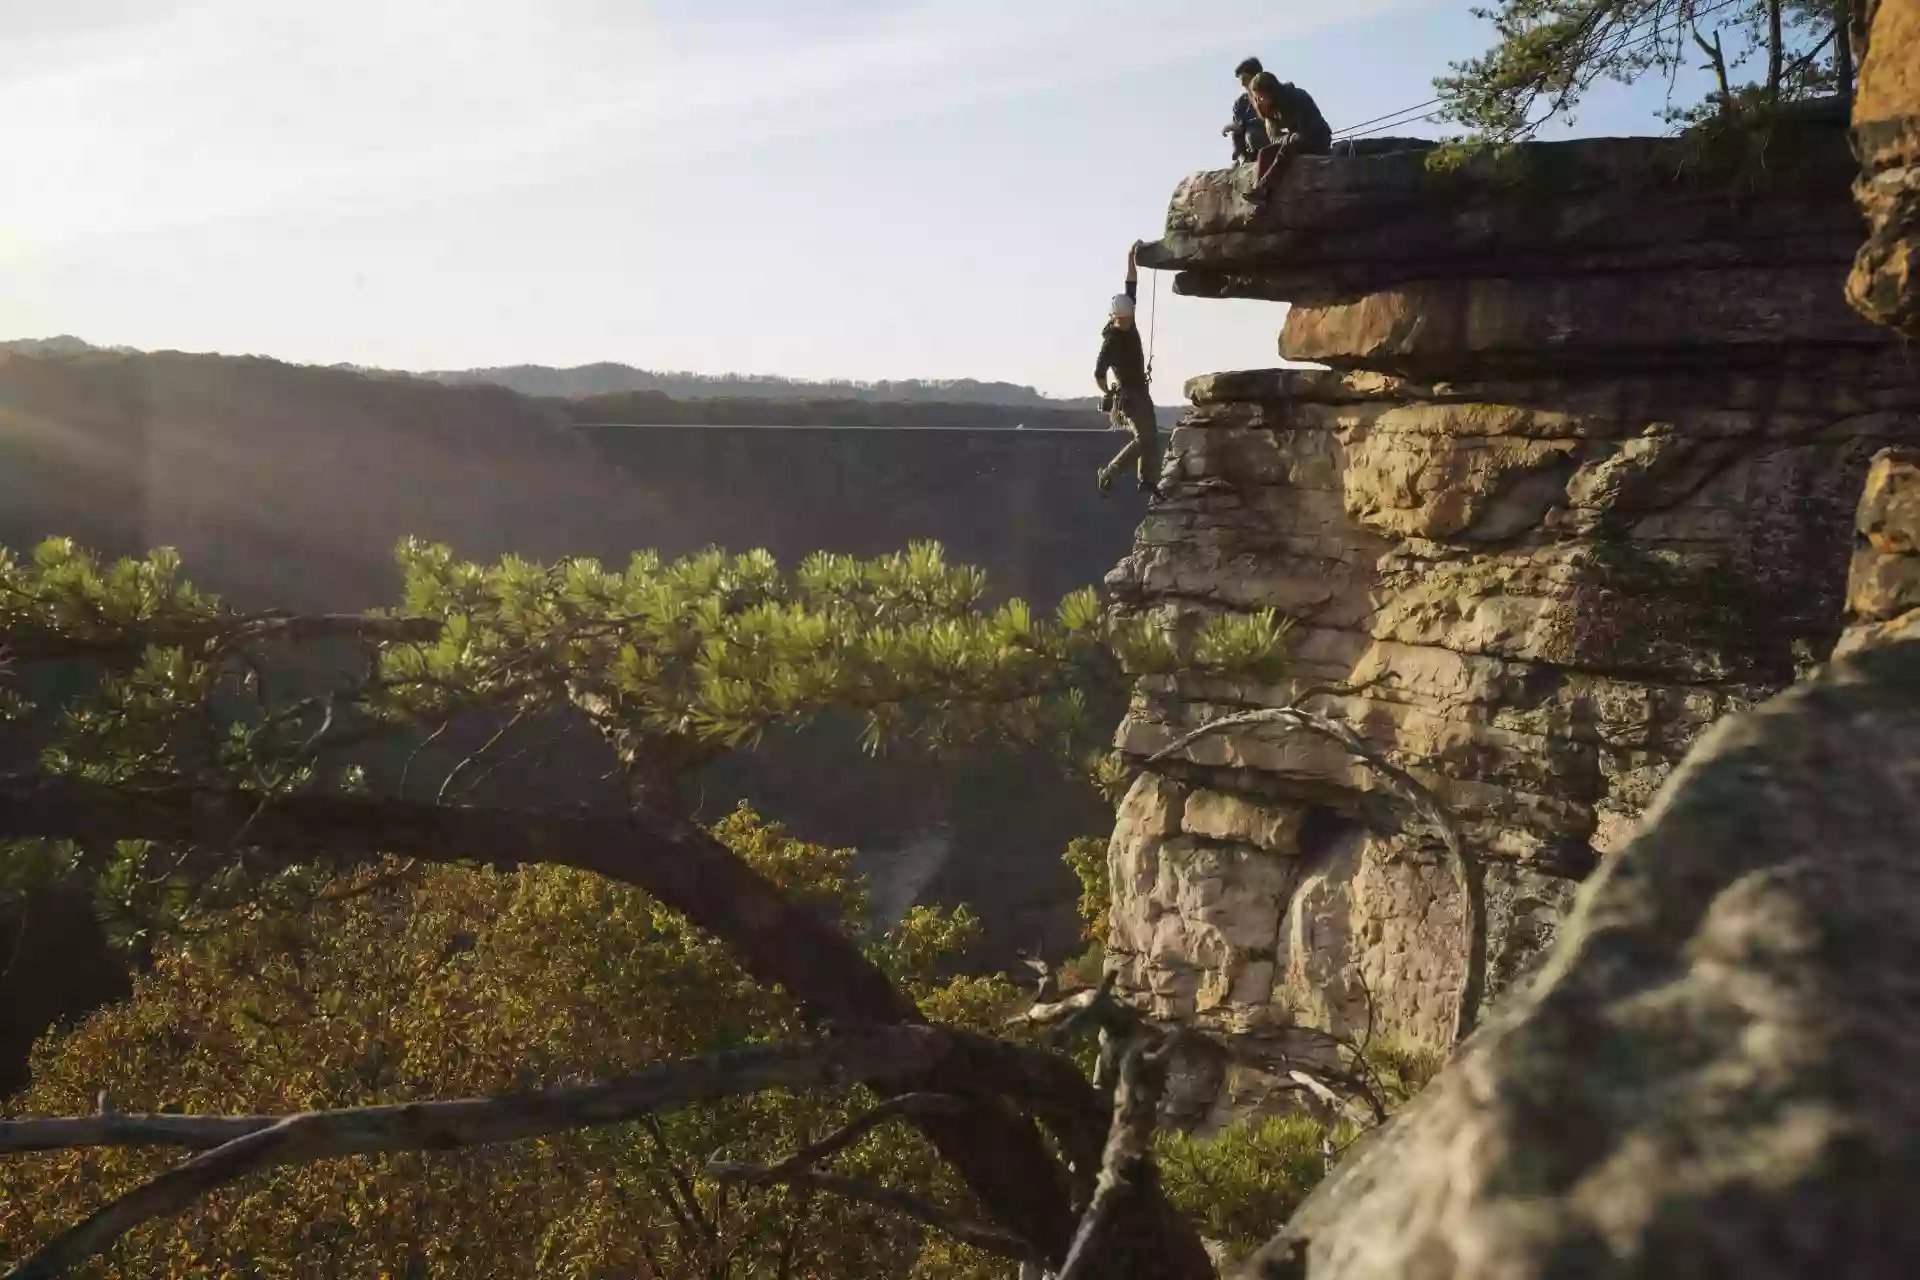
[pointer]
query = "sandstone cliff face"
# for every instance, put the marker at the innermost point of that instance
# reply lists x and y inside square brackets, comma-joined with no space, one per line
[1713,1073]
[1885,284]
[1579,483]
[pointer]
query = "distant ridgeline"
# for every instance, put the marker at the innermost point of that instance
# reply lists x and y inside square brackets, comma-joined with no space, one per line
[608,378]
[656,408]
[598,394]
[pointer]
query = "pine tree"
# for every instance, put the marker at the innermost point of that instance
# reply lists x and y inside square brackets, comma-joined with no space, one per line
[194,759]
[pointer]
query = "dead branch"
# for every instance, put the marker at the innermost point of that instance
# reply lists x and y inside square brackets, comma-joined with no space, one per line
[1467,872]
[1059,1011]
[1127,1166]
[1719,67]
[247,1145]
[1337,1106]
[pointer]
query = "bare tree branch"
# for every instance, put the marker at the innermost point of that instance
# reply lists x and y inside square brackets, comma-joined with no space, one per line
[1467,872]
[1128,1163]
[255,1144]
[1719,66]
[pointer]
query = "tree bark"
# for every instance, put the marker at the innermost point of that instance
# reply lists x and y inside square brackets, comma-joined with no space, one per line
[997,1151]
[1776,49]
[1843,22]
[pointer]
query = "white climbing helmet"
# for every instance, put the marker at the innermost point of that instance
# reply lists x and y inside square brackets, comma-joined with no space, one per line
[1122,306]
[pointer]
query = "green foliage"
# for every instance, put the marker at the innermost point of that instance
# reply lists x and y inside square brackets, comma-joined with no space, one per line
[283,987]
[1548,54]
[1241,1184]
[670,663]
[63,591]
[1086,856]
[1086,969]
[1111,774]
[709,652]
[401,983]
[1401,1071]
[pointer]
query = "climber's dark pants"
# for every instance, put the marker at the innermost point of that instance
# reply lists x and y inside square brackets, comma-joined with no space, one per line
[1134,406]
[1272,160]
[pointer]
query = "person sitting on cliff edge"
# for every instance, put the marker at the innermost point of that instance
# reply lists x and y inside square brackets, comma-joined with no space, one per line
[1294,123]
[1130,399]
[1248,132]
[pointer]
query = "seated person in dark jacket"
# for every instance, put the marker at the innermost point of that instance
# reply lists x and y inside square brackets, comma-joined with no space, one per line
[1294,124]
[1130,401]
[1247,131]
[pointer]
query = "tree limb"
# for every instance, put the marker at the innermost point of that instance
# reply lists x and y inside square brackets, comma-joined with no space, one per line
[997,1152]
[681,866]
[881,1054]
[1467,872]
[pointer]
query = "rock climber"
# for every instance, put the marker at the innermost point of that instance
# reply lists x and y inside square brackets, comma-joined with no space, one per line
[1294,125]
[1247,131]
[1129,399]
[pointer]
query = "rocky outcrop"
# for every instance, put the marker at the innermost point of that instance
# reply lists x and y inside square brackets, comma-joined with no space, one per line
[1885,285]
[1713,1073]
[1579,484]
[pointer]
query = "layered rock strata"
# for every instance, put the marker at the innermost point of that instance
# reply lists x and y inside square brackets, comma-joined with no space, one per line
[1578,483]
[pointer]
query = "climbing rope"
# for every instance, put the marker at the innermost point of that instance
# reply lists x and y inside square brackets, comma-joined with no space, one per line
[1153,323]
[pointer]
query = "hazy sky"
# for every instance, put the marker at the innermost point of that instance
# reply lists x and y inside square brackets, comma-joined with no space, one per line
[878,188]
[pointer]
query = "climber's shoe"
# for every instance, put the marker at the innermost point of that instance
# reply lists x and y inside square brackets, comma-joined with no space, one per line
[1105,480]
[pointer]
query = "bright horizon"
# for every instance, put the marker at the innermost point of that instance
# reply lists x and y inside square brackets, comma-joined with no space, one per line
[881,190]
